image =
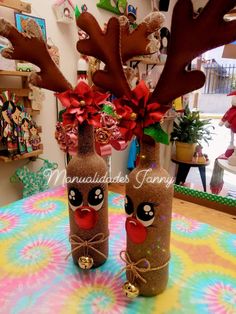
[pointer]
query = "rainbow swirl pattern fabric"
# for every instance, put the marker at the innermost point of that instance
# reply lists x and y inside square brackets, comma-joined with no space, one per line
[36,278]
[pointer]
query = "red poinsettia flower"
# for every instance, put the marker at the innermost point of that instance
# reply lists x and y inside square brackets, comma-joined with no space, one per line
[136,113]
[82,104]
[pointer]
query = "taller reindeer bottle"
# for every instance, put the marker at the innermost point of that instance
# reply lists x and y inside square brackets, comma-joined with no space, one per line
[88,203]
[148,205]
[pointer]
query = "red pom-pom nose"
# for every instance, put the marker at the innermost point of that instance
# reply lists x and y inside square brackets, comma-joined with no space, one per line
[135,230]
[86,217]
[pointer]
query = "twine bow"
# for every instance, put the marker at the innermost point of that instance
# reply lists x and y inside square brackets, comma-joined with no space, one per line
[87,244]
[139,267]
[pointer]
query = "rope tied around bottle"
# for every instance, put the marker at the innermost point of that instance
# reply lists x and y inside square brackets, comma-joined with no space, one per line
[79,243]
[140,267]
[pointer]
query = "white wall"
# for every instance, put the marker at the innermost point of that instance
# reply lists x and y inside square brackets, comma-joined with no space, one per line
[199,3]
[65,37]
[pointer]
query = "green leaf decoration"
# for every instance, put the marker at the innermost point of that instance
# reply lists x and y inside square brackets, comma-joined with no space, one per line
[108,110]
[155,131]
[61,115]
[77,12]
[106,5]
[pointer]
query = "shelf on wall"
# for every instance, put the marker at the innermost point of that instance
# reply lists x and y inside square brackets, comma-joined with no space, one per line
[19,92]
[14,73]
[33,154]
[16,5]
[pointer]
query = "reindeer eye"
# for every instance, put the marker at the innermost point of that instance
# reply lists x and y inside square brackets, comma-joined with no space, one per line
[129,207]
[146,214]
[96,198]
[75,198]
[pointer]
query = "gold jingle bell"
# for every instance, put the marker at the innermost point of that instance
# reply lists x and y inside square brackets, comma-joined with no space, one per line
[85,262]
[130,290]
[82,103]
[133,116]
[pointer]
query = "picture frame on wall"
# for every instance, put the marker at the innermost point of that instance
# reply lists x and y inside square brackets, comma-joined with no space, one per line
[21,23]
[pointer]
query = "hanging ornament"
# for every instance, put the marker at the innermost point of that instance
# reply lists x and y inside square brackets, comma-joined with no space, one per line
[84,8]
[64,11]
[82,70]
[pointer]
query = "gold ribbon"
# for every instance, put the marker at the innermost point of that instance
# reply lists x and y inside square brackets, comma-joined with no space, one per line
[135,268]
[87,244]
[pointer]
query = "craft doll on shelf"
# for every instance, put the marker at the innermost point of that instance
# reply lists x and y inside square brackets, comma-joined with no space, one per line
[10,117]
[25,127]
[21,142]
[35,139]
[15,128]
[6,128]
[16,120]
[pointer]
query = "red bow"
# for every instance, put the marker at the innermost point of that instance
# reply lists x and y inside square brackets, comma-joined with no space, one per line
[106,150]
[136,113]
[82,103]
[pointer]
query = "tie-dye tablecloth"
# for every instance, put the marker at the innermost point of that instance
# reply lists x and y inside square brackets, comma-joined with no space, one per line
[36,278]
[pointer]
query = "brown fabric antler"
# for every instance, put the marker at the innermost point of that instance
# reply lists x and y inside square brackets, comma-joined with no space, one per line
[190,37]
[30,47]
[137,42]
[105,47]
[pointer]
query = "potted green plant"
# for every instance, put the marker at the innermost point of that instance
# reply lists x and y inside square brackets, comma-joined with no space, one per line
[189,130]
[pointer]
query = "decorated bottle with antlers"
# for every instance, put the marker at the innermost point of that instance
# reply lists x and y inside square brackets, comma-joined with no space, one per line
[87,197]
[86,179]
[148,206]
[87,194]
